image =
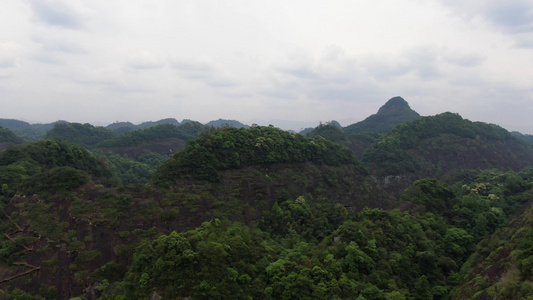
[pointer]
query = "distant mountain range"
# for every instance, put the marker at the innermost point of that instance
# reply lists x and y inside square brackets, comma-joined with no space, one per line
[395,111]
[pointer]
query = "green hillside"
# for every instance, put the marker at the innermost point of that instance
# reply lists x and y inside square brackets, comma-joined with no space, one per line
[226,123]
[433,146]
[329,131]
[86,135]
[28,132]
[231,148]
[8,138]
[502,266]
[439,208]
[528,138]
[48,166]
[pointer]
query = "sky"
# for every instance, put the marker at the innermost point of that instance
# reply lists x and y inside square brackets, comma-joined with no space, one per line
[265,62]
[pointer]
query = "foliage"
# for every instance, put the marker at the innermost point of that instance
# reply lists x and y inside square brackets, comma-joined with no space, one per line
[226,123]
[48,165]
[528,138]
[7,136]
[328,131]
[287,220]
[232,148]
[28,132]
[501,267]
[130,171]
[157,132]
[432,146]
[85,135]
[148,124]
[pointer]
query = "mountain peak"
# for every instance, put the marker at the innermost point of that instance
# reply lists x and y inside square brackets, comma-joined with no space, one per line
[394,105]
[392,113]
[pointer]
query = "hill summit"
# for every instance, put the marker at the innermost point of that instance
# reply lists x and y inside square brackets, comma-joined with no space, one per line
[397,105]
[392,113]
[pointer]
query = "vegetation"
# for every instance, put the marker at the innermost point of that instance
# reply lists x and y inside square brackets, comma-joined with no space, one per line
[231,148]
[81,134]
[433,146]
[528,138]
[122,127]
[328,131]
[305,249]
[226,123]
[7,136]
[185,132]
[501,267]
[47,165]
[261,213]
[28,132]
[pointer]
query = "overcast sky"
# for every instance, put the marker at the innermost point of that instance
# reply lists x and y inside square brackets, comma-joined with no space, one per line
[101,61]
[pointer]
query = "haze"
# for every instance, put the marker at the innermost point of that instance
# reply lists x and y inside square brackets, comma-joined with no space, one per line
[256,61]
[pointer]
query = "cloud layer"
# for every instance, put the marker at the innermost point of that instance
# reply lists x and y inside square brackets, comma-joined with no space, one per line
[103,61]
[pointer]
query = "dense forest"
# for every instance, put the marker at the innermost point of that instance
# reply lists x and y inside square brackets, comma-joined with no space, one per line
[398,206]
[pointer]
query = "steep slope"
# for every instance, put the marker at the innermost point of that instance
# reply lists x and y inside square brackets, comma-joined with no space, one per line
[392,113]
[502,266]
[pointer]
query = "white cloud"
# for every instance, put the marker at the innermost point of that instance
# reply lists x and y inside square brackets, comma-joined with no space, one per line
[144,60]
[514,17]
[204,70]
[304,60]
[64,44]
[9,52]
[72,14]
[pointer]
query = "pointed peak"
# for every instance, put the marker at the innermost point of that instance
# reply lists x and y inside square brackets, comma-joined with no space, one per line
[394,104]
[392,113]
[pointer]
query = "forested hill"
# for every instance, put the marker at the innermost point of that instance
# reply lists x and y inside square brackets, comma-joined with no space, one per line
[432,146]
[226,123]
[28,132]
[164,139]
[85,135]
[48,166]
[123,127]
[246,212]
[392,113]
[502,265]
[440,208]
[528,138]
[232,148]
[8,138]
